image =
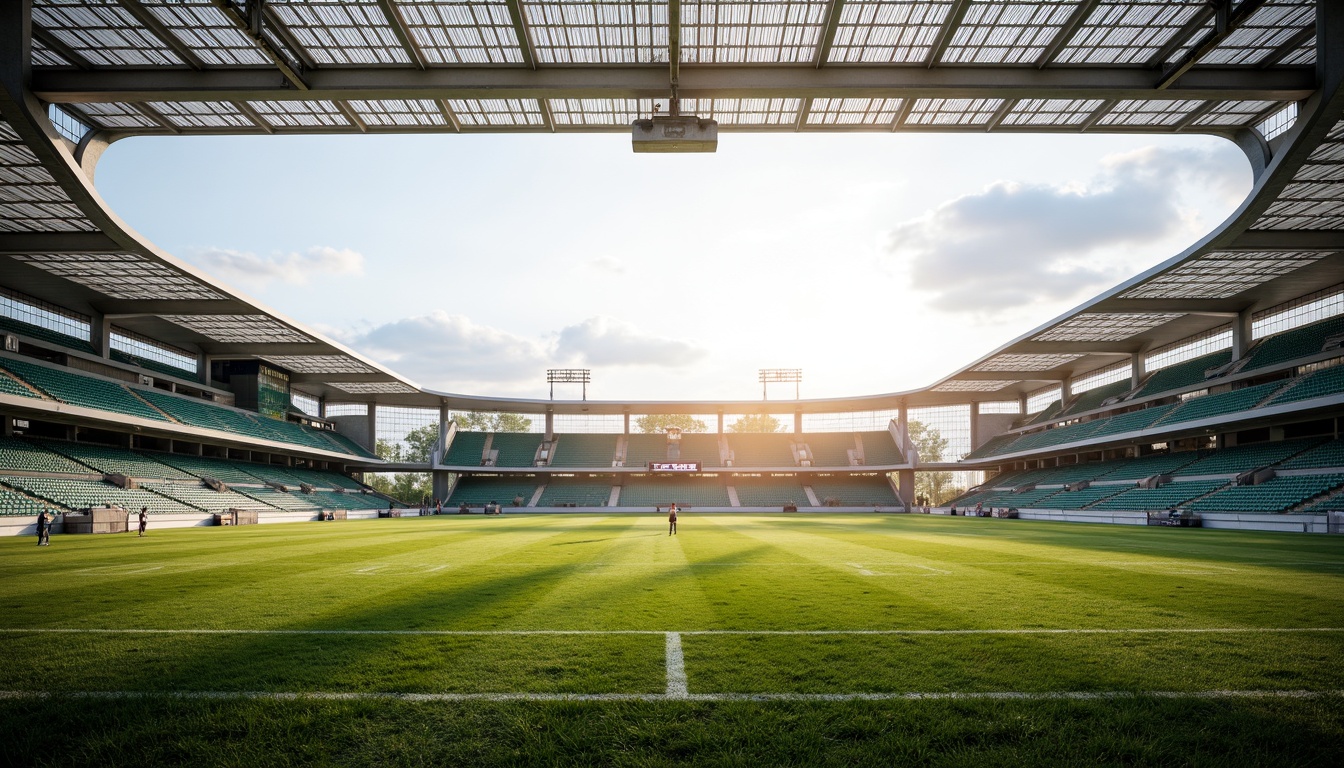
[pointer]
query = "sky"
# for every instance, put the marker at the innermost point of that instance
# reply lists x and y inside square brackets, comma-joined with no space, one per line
[874,262]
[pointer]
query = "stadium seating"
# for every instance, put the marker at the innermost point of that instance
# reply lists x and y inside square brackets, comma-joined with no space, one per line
[1084,498]
[830,449]
[477,491]
[1243,458]
[1025,500]
[23,456]
[222,470]
[466,449]
[77,389]
[12,386]
[82,494]
[1325,455]
[319,479]
[1147,466]
[205,498]
[581,493]
[1051,411]
[686,492]
[1333,503]
[196,412]
[858,491]
[994,446]
[641,449]
[702,447]
[115,461]
[1132,421]
[153,366]
[344,444]
[1056,436]
[272,474]
[584,450]
[346,501]
[879,449]
[1326,381]
[1275,495]
[1290,345]
[1208,406]
[293,502]
[761,449]
[768,492]
[516,449]
[15,503]
[1183,375]
[1157,499]
[1093,398]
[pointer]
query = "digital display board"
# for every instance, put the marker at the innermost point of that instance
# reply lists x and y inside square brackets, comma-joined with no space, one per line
[674,466]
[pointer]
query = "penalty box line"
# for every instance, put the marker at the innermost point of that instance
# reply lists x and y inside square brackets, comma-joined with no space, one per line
[664,697]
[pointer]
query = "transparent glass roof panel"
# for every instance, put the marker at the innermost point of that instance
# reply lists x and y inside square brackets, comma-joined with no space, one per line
[953,111]
[887,31]
[400,112]
[341,31]
[598,31]
[103,32]
[1306,54]
[1105,326]
[116,115]
[755,31]
[30,199]
[501,112]
[1007,31]
[121,275]
[257,329]
[462,31]
[1049,112]
[1236,113]
[972,386]
[1025,362]
[202,114]
[1264,32]
[206,32]
[1127,31]
[373,387]
[1149,113]
[320,363]
[300,114]
[731,112]
[599,111]
[45,57]
[1221,274]
[872,112]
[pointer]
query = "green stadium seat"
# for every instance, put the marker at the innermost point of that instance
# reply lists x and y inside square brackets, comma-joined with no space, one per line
[77,389]
[466,449]
[682,491]
[761,449]
[580,493]
[20,455]
[1093,398]
[516,449]
[768,492]
[854,491]
[879,449]
[1320,383]
[477,491]
[1276,495]
[1299,342]
[1183,375]
[582,450]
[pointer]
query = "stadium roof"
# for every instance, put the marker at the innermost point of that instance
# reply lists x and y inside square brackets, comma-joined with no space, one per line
[120,68]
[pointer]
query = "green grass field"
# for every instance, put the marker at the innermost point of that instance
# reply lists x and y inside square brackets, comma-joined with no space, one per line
[745,640]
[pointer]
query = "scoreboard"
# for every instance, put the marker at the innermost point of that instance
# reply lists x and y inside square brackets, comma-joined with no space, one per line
[674,466]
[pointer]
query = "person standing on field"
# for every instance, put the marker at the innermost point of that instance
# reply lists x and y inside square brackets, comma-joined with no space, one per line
[144,520]
[672,520]
[43,529]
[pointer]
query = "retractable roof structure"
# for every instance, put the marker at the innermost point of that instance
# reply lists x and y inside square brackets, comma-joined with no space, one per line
[118,68]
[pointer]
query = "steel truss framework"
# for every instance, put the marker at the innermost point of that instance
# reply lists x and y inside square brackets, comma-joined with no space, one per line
[118,68]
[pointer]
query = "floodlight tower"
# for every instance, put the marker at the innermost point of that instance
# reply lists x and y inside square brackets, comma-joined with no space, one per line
[770,376]
[569,376]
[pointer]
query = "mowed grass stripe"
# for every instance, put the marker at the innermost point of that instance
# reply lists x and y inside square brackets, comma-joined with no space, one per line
[815,664]
[339,663]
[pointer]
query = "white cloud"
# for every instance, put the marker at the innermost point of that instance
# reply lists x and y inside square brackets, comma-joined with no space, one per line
[293,267]
[1016,244]
[445,350]
[609,264]
[608,341]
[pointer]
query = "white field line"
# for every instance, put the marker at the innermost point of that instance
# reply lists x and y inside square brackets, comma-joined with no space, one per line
[676,668]
[664,697]
[784,632]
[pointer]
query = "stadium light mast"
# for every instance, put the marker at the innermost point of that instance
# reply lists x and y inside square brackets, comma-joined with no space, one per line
[569,376]
[770,376]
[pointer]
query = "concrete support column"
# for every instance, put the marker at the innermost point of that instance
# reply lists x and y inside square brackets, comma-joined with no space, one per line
[1241,334]
[445,416]
[798,422]
[442,483]
[322,407]
[903,418]
[203,369]
[1066,389]
[905,480]
[975,425]
[372,427]
[1137,370]
[7,426]
[100,335]
[550,426]
[720,422]
[627,424]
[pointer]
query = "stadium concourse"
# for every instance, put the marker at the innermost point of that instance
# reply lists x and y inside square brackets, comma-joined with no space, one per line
[1210,384]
